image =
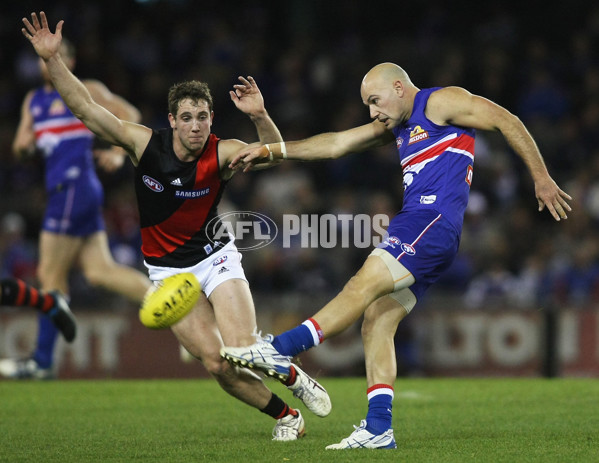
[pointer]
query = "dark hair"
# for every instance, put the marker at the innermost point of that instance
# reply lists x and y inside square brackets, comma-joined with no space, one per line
[192,89]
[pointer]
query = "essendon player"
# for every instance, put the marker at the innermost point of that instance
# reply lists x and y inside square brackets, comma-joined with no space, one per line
[180,175]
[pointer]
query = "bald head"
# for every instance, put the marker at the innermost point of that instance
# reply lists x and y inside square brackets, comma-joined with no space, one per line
[386,73]
[389,93]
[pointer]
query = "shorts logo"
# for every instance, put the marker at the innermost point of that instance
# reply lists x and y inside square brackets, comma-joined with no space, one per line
[408,249]
[430,199]
[223,270]
[392,241]
[418,134]
[152,184]
[219,261]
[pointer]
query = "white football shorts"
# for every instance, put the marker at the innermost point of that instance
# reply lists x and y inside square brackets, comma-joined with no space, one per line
[218,267]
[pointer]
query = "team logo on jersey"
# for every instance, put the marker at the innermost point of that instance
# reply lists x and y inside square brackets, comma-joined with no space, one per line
[152,184]
[57,107]
[418,134]
[408,249]
[192,194]
[219,261]
[399,142]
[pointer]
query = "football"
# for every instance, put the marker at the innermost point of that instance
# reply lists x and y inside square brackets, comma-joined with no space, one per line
[172,299]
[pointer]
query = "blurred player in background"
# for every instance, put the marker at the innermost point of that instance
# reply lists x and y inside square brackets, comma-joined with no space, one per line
[73,232]
[434,132]
[180,175]
[14,292]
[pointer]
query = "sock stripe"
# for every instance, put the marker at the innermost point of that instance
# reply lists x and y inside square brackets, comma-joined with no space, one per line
[34,296]
[292,376]
[314,327]
[285,412]
[22,293]
[379,389]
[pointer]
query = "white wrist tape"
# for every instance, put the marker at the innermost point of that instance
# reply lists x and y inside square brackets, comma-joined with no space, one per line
[271,157]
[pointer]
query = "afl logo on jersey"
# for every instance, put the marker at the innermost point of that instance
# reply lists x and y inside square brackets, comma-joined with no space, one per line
[408,249]
[152,184]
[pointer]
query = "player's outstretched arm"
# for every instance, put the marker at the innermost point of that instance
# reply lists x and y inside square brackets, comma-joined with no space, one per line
[457,106]
[76,96]
[330,145]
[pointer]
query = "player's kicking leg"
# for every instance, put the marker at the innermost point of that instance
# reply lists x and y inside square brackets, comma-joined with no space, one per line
[264,357]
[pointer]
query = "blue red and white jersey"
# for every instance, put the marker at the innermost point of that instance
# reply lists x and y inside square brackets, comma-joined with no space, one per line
[64,139]
[437,163]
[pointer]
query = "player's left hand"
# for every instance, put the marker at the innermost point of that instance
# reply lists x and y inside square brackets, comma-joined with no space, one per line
[247,96]
[553,197]
[38,33]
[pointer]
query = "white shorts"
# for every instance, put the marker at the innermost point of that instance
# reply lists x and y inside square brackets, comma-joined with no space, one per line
[222,265]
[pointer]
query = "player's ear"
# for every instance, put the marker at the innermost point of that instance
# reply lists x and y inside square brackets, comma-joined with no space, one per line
[171,120]
[398,87]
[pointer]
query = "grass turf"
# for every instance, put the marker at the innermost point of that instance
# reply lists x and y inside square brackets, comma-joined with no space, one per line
[435,420]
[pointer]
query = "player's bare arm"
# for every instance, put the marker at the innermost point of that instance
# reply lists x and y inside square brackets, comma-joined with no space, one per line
[248,99]
[111,158]
[454,105]
[24,142]
[331,145]
[132,137]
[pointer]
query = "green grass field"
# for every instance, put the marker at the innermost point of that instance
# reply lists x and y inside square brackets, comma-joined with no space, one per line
[435,420]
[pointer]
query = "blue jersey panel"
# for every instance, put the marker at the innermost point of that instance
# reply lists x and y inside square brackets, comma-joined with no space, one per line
[437,163]
[64,139]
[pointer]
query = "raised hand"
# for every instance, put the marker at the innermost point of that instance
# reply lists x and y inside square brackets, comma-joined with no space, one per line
[247,96]
[38,33]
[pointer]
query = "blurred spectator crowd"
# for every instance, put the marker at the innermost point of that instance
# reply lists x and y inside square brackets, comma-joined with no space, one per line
[308,58]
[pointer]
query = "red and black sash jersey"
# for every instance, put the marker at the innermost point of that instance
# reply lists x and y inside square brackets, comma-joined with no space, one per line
[176,201]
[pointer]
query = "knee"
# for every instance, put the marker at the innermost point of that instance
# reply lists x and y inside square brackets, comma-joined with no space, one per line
[94,277]
[218,367]
[99,273]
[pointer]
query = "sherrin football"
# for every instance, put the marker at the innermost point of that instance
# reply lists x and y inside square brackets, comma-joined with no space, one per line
[170,301]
